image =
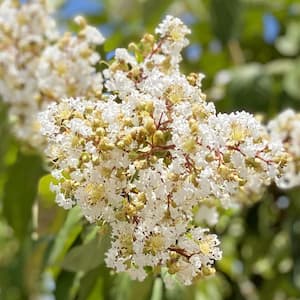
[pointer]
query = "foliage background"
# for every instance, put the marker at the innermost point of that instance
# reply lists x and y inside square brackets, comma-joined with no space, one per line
[249,51]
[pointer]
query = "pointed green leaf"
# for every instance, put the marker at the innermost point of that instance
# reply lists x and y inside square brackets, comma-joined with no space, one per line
[87,256]
[89,285]
[66,236]
[157,291]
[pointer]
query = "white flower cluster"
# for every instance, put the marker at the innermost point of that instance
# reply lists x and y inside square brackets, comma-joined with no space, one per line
[38,66]
[286,128]
[152,157]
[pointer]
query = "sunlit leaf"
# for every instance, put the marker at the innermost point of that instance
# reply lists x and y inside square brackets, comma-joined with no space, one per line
[65,237]
[87,256]
[44,191]
[157,291]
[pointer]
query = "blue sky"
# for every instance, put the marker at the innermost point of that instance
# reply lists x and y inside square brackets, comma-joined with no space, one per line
[72,8]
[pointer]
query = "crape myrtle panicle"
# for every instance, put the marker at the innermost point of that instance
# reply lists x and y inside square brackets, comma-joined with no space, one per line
[152,158]
[286,128]
[39,66]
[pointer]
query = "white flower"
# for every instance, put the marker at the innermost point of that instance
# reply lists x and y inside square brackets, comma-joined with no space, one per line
[207,214]
[122,54]
[93,35]
[150,153]
[286,129]
[38,66]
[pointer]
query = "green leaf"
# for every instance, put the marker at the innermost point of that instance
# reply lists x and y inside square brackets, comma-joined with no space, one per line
[125,288]
[87,256]
[121,287]
[89,285]
[66,236]
[4,129]
[113,41]
[279,66]
[289,44]
[212,288]
[250,88]
[44,192]
[225,19]
[20,191]
[153,11]
[157,291]
[295,249]
[176,290]
[198,8]
[8,149]
[128,10]
[291,81]
[64,284]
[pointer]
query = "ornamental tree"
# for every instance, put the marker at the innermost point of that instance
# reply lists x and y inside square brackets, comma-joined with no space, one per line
[135,143]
